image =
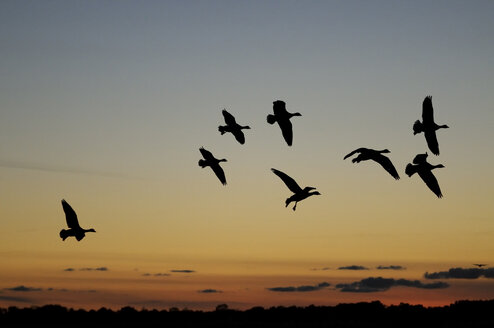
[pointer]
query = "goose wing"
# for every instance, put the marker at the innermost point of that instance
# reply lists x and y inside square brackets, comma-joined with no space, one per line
[70,216]
[290,183]
[229,119]
[358,150]
[286,130]
[239,135]
[219,173]
[206,154]
[427,111]
[387,165]
[431,181]
[430,137]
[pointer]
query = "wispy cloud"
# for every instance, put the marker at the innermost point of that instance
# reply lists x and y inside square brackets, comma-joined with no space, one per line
[321,269]
[209,291]
[308,288]
[159,274]
[379,284]
[353,267]
[23,288]
[59,169]
[461,273]
[390,267]
[94,269]
[183,271]
[16,299]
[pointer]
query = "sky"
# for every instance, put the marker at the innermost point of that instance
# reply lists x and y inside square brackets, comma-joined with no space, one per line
[106,103]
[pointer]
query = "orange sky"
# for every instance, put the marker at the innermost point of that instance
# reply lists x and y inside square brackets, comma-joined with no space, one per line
[107,105]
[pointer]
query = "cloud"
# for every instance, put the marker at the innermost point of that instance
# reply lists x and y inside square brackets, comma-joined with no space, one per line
[59,169]
[16,299]
[291,289]
[353,267]
[23,288]
[183,271]
[69,269]
[209,291]
[94,269]
[390,267]
[379,284]
[461,273]
[159,274]
[320,269]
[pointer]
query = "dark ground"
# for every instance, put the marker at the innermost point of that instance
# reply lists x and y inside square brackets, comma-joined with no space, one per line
[374,314]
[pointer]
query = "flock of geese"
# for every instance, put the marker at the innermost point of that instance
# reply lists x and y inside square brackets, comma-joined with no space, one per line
[282,117]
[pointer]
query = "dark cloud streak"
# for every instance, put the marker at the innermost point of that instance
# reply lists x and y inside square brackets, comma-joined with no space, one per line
[461,273]
[353,267]
[307,288]
[379,284]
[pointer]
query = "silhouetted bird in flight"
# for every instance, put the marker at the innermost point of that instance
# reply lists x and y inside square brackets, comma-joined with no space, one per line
[424,170]
[299,194]
[375,155]
[428,126]
[72,222]
[214,163]
[283,118]
[479,265]
[233,127]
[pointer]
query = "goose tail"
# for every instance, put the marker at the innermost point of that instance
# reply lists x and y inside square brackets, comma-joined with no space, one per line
[417,127]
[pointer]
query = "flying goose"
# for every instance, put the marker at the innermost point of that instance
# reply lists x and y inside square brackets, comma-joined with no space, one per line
[211,161]
[424,170]
[75,229]
[375,155]
[233,127]
[428,126]
[283,118]
[299,194]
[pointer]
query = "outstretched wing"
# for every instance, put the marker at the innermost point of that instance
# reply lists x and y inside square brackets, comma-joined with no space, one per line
[430,137]
[239,135]
[431,182]
[387,165]
[427,111]
[70,216]
[358,150]
[219,173]
[286,130]
[229,119]
[206,154]
[290,183]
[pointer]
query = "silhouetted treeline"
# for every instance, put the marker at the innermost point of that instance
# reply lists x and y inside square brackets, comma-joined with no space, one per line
[373,314]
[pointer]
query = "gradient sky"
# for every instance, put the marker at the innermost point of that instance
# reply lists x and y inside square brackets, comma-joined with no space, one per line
[106,103]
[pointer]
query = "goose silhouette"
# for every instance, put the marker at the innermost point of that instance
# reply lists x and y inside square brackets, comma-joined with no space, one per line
[428,126]
[283,118]
[299,194]
[75,229]
[377,156]
[213,163]
[480,265]
[233,127]
[424,170]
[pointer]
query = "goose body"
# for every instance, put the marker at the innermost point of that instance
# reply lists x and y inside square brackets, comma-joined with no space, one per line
[233,127]
[424,170]
[299,194]
[282,116]
[377,156]
[428,126]
[75,229]
[213,163]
